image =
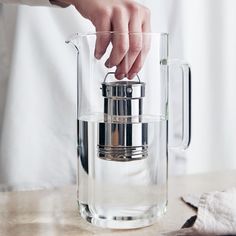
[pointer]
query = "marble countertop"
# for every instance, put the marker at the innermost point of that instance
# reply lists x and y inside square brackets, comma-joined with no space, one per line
[54,211]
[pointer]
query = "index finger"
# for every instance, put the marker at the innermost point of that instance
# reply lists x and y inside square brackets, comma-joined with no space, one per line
[103,36]
[120,38]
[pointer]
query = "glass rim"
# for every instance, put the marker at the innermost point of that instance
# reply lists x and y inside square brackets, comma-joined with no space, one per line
[80,34]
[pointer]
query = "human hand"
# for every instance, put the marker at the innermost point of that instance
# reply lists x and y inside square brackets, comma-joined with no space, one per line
[121,16]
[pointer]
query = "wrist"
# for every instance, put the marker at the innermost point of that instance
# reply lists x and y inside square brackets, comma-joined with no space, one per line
[61,3]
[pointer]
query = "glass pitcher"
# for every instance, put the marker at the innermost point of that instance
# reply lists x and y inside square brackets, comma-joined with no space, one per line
[123,132]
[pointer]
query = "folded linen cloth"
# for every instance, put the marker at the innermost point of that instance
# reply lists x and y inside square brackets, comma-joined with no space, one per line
[216,214]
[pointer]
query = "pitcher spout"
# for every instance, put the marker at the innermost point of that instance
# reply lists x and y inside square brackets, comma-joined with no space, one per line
[73,40]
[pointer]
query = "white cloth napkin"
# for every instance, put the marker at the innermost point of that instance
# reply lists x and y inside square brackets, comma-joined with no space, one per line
[216,213]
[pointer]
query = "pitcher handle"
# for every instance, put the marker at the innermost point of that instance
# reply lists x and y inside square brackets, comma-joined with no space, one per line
[186,101]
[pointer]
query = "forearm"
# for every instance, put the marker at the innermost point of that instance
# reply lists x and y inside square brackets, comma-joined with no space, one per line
[62,3]
[28,2]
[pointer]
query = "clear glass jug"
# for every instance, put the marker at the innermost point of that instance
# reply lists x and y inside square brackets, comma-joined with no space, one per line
[123,133]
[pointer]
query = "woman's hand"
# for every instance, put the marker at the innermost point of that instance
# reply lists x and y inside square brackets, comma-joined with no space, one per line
[122,16]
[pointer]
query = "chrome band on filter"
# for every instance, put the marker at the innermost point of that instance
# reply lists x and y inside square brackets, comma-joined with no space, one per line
[122,142]
[123,136]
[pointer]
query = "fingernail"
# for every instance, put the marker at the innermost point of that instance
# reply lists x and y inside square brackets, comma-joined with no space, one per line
[107,64]
[120,76]
[98,55]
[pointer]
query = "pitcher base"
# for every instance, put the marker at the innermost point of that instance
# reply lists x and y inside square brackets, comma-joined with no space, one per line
[122,222]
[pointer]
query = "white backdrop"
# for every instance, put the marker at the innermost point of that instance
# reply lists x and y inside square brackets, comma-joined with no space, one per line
[208,43]
[38,78]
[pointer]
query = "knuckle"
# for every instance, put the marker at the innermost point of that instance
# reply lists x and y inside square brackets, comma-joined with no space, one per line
[104,13]
[133,8]
[122,47]
[101,15]
[118,10]
[96,17]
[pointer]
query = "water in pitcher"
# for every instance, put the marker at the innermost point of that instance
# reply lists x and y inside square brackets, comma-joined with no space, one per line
[122,194]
